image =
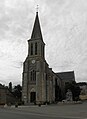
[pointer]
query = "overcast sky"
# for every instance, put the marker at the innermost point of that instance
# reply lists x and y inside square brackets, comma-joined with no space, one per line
[64,29]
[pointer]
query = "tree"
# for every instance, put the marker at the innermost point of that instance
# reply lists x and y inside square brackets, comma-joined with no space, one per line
[75,89]
[10,86]
[17,91]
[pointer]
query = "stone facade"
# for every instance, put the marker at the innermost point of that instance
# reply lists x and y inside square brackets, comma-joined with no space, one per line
[39,82]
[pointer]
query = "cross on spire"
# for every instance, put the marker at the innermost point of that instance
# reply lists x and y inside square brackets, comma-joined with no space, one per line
[36,33]
[37,8]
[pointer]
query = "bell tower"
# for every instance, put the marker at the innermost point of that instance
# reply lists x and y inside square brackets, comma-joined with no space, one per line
[35,44]
[34,67]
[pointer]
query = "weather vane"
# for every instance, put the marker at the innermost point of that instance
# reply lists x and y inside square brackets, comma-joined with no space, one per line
[37,8]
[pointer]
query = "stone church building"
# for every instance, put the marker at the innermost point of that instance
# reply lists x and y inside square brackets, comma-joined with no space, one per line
[39,83]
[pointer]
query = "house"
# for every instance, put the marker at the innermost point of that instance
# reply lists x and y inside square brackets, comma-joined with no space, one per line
[6,96]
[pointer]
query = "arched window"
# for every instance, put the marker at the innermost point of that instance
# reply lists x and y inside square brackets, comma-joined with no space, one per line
[35,48]
[33,75]
[31,48]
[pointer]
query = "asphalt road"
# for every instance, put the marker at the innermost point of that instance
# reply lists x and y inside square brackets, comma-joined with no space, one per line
[16,114]
[78,111]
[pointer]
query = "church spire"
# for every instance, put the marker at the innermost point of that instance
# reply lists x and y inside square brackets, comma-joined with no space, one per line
[36,33]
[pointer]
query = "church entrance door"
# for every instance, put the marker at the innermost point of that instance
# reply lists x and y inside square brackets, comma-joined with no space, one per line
[32,97]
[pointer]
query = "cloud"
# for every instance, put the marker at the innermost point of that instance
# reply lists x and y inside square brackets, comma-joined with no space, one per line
[64,29]
[68,30]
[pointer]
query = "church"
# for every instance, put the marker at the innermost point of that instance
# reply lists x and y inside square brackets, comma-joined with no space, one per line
[40,84]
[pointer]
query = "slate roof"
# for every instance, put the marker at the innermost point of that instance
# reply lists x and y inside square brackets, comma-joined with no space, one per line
[66,75]
[1,86]
[36,33]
